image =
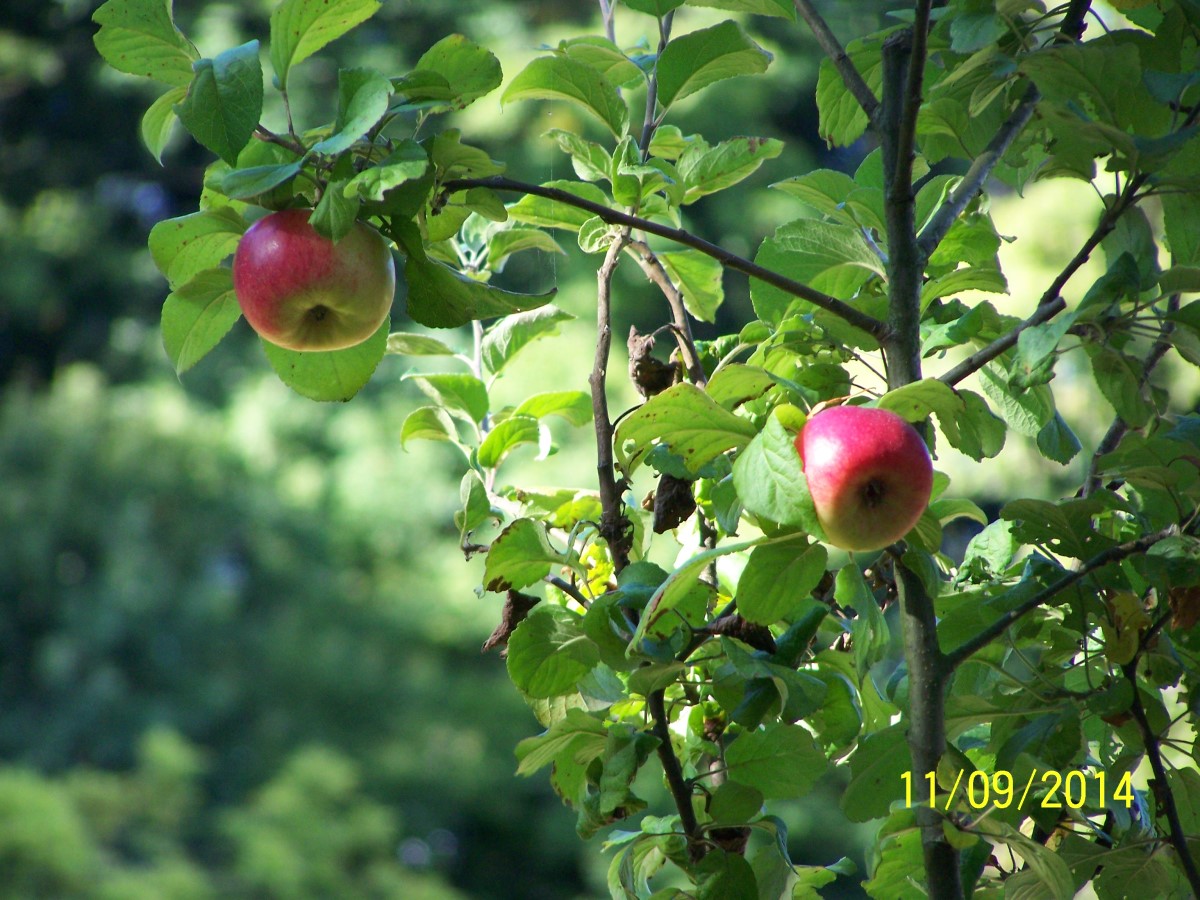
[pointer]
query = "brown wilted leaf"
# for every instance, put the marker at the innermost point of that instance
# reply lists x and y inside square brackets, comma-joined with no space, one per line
[516,608]
[673,503]
[649,375]
[1185,606]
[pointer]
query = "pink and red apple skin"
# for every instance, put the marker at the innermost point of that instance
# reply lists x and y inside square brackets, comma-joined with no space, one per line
[302,291]
[868,472]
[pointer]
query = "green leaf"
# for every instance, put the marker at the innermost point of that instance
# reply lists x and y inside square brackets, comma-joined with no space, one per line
[777,580]
[869,629]
[732,385]
[329,375]
[1026,412]
[506,437]
[970,278]
[476,505]
[472,71]
[590,160]
[504,243]
[510,335]
[578,733]
[574,406]
[299,28]
[407,162]
[694,61]
[842,121]
[183,247]
[916,401]
[335,213]
[464,396]
[196,315]
[158,123]
[706,170]
[245,184]
[562,78]
[520,556]
[428,423]
[699,279]
[363,96]
[685,419]
[1045,865]
[224,102]
[782,9]
[781,762]
[770,482]
[723,875]
[547,213]
[827,256]
[442,297]
[1119,378]
[139,37]
[409,345]
[1057,441]
[735,804]
[975,431]
[877,769]
[548,653]
[657,8]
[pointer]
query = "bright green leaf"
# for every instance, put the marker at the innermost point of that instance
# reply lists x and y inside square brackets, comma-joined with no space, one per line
[699,279]
[299,28]
[139,37]
[562,78]
[694,61]
[781,762]
[548,653]
[329,375]
[777,580]
[185,246]
[196,315]
[224,102]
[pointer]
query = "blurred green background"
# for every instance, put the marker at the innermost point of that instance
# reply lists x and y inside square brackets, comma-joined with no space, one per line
[239,651]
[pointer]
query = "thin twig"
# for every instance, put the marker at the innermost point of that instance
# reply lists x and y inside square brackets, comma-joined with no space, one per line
[833,49]
[654,270]
[729,260]
[913,90]
[650,122]
[1162,788]
[1051,302]
[1113,554]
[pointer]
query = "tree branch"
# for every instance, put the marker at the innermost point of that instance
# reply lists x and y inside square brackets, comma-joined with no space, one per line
[654,270]
[681,791]
[978,174]
[1051,303]
[833,49]
[612,518]
[1069,30]
[914,86]
[1162,789]
[1113,554]
[845,311]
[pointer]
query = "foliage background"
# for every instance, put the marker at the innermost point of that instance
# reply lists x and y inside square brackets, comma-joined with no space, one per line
[229,664]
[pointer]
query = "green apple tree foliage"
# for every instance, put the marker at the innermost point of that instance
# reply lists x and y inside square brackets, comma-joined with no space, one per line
[1033,733]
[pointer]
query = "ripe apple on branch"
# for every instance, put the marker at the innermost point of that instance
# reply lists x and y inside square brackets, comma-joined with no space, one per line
[302,291]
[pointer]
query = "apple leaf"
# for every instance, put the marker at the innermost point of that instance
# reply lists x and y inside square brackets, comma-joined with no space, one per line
[574,406]
[563,78]
[706,170]
[139,37]
[699,278]
[694,61]
[688,421]
[782,762]
[335,213]
[299,28]
[196,315]
[770,482]
[407,162]
[405,344]
[827,256]
[782,9]
[510,434]
[158,123]
[1026,413]
[548,653]
[777,580]
[363,96]
[472,71]
[877,768]
[183,247]
[245,184]
[520,556]
[329,374]
[464,396]
[657,8]
[975,431]
[441,297]
[547,213]
[225,100]
[842,120]
[511,334]
[429,423]
[504,243]
[915,402]
[579,732]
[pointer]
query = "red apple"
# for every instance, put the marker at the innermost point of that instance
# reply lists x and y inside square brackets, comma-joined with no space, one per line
[868,472]
[302,291]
